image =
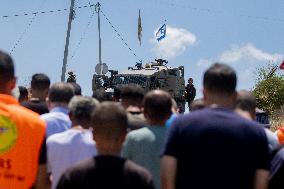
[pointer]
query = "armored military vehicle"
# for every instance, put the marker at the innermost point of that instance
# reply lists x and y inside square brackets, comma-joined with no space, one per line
[154,75]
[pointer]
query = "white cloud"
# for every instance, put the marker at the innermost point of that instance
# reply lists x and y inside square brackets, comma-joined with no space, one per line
[174,44]
[246,54]
[244,59]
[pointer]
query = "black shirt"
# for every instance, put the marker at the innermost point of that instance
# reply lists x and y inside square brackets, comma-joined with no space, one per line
[216,148]
[190,93]
[106,172]
[36,105]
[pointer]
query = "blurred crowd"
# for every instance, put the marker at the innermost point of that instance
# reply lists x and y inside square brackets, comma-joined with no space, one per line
[52,136]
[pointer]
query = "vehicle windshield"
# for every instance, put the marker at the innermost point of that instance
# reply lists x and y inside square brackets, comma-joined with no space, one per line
[123,79]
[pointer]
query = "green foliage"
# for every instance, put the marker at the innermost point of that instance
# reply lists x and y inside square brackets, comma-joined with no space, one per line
[269,90]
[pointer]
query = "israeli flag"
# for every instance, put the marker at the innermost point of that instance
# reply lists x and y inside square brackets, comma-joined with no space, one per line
[161,33]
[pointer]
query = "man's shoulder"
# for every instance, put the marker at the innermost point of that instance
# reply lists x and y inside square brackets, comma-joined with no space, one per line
[139,134]
[25,114]
[216,116]
[80,168]
[132,167]
[57,138]
[54,116]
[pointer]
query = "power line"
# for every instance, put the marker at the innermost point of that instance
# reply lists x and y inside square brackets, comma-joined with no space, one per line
[120,37]
[44,12]
[25,30]
[83,35]
[212,11]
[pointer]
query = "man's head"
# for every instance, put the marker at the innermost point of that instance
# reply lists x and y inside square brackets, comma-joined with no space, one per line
[101,95]
[157,107]
[81,109]
[132,97]
[246,103]
[24,94]
[7,74]
[116,93]
[109,122]
[77,88]
[219,84]
[197,104]
[190,81]
[39,86]
[60,94]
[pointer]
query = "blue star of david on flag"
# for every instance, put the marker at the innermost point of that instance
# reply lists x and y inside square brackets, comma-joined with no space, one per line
[161,33]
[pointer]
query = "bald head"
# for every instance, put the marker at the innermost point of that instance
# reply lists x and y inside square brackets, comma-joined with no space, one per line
[157,105]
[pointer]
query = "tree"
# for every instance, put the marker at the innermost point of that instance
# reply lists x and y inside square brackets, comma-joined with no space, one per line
[269,89]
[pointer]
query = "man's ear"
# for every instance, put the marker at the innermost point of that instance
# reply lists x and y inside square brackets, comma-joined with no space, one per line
[11,84]
[204,91]
[46,91]
[48,103]
[234,97]
[71,116]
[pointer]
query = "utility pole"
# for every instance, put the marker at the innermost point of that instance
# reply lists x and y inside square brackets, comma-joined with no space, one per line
[98,9]
[71,17]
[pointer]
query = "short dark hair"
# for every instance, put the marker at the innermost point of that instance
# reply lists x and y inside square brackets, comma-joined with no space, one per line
[23,93]
[132,92]
[109,120]
[7,70]
[40,81]
[157,104]
[246,101]
[197,104]
[60,92]
[220,78]
[116,92]
[101,95]
[77,88]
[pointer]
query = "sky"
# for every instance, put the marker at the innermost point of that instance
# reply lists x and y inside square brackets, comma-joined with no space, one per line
[244,34]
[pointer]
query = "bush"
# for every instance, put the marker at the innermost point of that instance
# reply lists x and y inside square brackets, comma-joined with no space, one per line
[269,90]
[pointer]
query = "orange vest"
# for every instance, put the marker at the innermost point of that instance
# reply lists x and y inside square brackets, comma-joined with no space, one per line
[280,135]
[21,136]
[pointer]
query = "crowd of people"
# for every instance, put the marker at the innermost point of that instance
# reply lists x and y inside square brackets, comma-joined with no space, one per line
[52,136]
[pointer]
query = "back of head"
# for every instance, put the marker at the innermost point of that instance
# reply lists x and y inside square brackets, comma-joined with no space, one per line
[60,93]
[157,105]
[220,79]
[132,95]
[7,72]
[77,88]
[109,121]
[101,95]
[116,93]
[197,104]
[246,101]
[23,93]
[40,82]
[82,107]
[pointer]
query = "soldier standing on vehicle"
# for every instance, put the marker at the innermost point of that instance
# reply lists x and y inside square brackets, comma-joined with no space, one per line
[190,92]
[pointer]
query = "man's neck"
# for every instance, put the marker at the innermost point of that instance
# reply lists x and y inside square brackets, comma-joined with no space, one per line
[38,95]
[220,101]
[81,124]
[157,123]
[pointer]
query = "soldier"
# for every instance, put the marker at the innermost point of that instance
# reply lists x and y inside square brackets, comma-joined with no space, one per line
[190,92]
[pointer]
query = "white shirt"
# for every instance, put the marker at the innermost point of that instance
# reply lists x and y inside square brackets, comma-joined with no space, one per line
[66,149]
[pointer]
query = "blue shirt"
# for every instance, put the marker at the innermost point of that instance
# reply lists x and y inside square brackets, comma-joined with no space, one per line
[57,120]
